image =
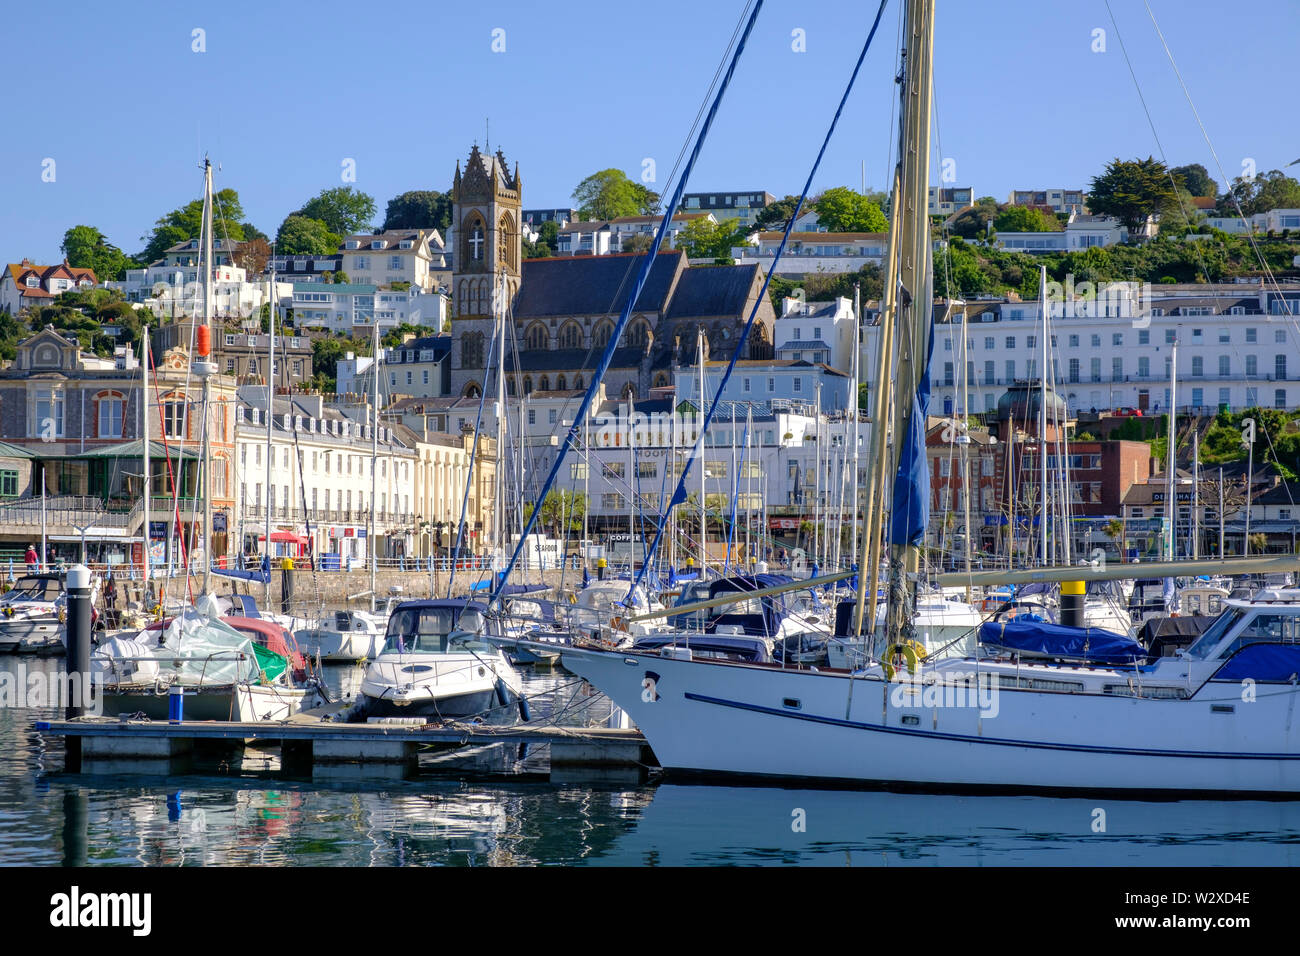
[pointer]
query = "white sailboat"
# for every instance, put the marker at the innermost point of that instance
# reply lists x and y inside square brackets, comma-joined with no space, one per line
[1103,719]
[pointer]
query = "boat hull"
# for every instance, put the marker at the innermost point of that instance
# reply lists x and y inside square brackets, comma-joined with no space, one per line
[33,634]
[238,702]
[714,718]
[330,645]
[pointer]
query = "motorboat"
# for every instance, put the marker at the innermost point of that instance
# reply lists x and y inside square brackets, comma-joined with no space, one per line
[437,664]
[32,613]
[344,636]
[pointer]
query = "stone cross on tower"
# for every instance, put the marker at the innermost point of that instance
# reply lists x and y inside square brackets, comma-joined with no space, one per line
[477,242]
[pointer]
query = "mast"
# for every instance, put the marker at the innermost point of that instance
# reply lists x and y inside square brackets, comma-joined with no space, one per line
[855,411]
[1171,479]
[148,481]
[819,513]
[914,276]
[1042,424]
[1196,494]
[269,502]
[374,461]
[498,522]
[204,368]
[699,450]
[586,487]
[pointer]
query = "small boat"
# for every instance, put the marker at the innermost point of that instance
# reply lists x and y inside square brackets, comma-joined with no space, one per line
[344,636]
[32,611]
[436,663]
[232,668]
[537,620]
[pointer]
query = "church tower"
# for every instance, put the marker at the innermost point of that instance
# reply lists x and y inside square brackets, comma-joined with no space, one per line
[486,216]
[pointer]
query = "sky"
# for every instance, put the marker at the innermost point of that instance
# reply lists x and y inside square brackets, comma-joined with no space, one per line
[113,106]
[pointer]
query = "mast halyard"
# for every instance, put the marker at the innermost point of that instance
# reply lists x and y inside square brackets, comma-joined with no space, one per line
[374,462]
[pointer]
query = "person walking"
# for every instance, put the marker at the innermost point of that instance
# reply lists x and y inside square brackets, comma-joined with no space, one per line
[32,559]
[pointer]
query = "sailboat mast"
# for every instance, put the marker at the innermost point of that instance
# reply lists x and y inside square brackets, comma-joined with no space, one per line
[205,369]
[917,294]
[1042,424]
[699,449]
[374,461]
[1196,494]
[855,411]
[269,501]
[498,517]
[147,478]
[1172,476]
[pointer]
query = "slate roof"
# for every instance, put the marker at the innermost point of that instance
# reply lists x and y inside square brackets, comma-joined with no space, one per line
[713,290]
[803,344]
[564,360]
[593,285]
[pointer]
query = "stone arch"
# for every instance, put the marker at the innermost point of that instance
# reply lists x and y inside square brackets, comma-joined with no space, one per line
[570,335]
[661,379]
[473,228]
[537,337]
[600,335]
[505,241]
[471,390]
[528,384]
[544,385]
[638,332]
[577,381]
[561,383]
[628,394]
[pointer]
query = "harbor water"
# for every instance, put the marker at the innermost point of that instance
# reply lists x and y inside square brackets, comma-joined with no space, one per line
[243,811]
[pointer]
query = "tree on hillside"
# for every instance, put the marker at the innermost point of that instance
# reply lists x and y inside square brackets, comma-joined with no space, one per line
[775,215]
[548,240]
[253,255]
[703,239]
[344,210]
[841,209]
[1131,190]
[1196,180]
[87,248]
[1271,190]
[973,222]
[186,223]
[1025,219]
[609,194]
[419,209]
[300,235]
[638,242]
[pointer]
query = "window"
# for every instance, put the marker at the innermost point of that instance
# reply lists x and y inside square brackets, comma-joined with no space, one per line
[532,416]
[1279,336]
[1252,365]
[989,376]
[1225,397]
[798,382]
[1198,365]
[646,469]
[1279,368]
[1096,341]
[1198,397]
[578,470]
[947,373]
[47,413]
[1251,335]
[1144,337]
[1074,370]
[1094,369]
[1011,341]
[550,417]
[1117,338]
[1225,366]
[1279,398]
[1170,334]
[1074,341]
[989,343]
[1011,370]
[174,419]
[8,484]
[1031,341]
[947,345]
[1144,366]
[1224,336]
[611,502]
[110,418]
[1117,369]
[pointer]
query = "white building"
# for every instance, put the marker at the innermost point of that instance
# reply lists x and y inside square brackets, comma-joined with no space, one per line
[24,284]
[818,332]
[946,200]
[808,253]
[729,204]
[173,285]
[1275,221]
[1059,199]
[585,238]
[398,255]
[1081,232]
[1237,348]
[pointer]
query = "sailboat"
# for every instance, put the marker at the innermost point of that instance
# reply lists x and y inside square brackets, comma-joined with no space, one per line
[1220,717]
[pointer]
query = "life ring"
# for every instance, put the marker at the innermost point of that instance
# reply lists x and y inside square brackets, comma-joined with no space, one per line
[912,651]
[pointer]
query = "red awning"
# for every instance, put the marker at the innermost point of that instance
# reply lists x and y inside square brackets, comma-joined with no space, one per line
[283,536]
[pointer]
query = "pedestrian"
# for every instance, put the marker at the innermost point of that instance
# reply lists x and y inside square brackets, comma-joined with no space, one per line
[110,600]
[33,561]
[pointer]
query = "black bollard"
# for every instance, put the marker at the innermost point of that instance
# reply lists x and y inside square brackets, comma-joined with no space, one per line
[286,585]
[1072,603]
[78,639]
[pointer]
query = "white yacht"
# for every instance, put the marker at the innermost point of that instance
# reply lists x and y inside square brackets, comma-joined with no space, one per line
[437,664]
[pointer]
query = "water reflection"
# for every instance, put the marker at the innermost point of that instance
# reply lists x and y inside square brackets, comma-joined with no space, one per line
[245,809]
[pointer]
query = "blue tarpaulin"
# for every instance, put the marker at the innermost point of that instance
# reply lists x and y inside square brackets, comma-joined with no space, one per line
[1042,639]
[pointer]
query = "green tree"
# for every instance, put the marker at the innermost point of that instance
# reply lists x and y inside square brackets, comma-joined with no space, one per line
[393,337]
[1025,219]
[609,194]
[300,235]
[548,240]
[1131,190]
[973,222]
[1270,190]
[86,248]
[638,242]
[776,214]
[841,209]
[419,209]
[1196,180]
[562,512]
[186,223]
[344,210]
[704,239]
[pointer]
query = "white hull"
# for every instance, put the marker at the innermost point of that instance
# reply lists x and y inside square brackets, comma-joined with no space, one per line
[331,645]
[762,721]
[437,684]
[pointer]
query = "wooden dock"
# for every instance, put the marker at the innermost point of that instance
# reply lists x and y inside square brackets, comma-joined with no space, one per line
[308,741]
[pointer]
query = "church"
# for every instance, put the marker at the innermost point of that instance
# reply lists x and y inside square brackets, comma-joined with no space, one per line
[563,310]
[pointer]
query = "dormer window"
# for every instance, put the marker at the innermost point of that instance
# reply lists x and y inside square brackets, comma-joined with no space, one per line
[32,282]
[354,244]
[406,244]
[378,244]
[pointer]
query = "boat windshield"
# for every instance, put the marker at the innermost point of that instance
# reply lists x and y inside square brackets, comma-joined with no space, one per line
[753,605]
[1205,644]
[426,629]
[33,588]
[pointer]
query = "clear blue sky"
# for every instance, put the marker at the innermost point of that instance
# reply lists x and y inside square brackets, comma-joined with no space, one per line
[113,93]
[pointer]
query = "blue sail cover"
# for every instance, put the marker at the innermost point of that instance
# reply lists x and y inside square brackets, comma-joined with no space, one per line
[911,508]
[1056,640]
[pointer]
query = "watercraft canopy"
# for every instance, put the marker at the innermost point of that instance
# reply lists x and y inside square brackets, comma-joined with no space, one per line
[1057,641]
